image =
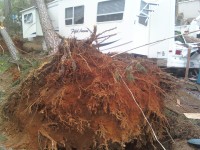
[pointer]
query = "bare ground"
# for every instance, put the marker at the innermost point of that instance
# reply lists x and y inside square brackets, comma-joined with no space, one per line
[183,128]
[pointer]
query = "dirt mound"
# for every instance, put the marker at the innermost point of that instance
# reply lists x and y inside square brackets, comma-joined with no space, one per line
[88,101]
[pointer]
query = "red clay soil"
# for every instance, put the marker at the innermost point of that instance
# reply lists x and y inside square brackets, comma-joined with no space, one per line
[82,103]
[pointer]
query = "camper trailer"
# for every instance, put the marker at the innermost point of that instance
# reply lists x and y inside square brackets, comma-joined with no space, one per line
[31,22]
[122,25]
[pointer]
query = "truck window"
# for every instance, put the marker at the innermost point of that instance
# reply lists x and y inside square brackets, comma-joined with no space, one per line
[144,13]
[74,15]
[179,38]
[28,18]
[110,10]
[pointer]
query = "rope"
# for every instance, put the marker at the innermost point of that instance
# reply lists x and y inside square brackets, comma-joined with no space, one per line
[142,113]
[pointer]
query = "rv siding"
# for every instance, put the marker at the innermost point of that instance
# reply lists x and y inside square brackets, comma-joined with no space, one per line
[78,30]
[129,33]
[54,14]
[162,26]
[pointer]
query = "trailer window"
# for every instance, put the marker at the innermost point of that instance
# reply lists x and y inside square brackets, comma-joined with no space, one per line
[28,18]
[110,10]
[74,15]
[144,13]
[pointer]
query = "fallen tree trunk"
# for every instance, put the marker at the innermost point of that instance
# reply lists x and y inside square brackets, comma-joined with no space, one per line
[11,46]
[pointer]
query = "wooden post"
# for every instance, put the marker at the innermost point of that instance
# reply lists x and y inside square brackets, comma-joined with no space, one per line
[188,63]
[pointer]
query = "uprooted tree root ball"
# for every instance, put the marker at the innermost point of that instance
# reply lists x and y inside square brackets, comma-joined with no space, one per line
[82,102]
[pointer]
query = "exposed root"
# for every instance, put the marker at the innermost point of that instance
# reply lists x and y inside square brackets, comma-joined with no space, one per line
[84,99]
[53,145]
[85,62]
[154,134]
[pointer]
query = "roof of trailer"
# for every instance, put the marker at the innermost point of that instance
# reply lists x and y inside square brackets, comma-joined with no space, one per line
[34,7]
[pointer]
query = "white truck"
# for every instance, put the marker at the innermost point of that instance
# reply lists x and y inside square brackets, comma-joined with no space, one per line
[134,23]
[193,28]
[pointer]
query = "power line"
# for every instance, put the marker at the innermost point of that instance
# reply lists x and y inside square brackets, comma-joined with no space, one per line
[155,42]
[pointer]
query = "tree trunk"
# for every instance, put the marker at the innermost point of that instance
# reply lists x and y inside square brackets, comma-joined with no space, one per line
[11,46]
[51,38]
[7,8]
[176,11]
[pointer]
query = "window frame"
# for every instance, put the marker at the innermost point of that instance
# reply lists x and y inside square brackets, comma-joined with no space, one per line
[109,14]
[143,14]
[73,15]
[28,18]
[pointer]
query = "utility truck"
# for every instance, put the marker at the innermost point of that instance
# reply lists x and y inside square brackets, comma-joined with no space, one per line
[123,25]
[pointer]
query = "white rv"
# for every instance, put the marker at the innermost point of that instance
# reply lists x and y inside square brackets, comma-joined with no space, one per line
[129,24]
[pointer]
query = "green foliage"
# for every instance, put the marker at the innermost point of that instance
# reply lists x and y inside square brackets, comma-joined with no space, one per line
[129,73]
[18,5]
[2,94]
[117,76]
[1,5]
[25,65]
[4,63]
[141,68]
[14,25]
[2,138]
[16,82]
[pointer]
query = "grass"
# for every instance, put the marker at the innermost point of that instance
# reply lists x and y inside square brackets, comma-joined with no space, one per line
[7,69]
[2,94]
[2,138]
[4,63]
[25,64]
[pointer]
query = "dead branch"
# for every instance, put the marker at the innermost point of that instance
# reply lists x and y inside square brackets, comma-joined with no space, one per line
[93,36]
[85,62]
[105,31]
[102,37]
[45,134]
